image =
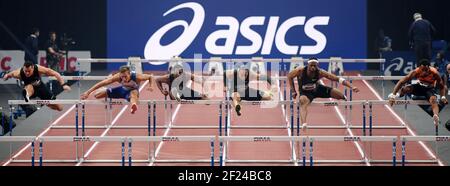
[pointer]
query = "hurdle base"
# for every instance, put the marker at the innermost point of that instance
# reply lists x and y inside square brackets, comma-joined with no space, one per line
[236,161]
[232,127]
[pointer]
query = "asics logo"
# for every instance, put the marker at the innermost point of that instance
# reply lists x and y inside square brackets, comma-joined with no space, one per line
[275,32]
[153,48]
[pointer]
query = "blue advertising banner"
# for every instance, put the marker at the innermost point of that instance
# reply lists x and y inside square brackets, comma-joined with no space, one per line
[236,29]
[399,63]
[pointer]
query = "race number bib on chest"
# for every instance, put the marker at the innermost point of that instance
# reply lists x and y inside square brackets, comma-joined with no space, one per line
[309,86]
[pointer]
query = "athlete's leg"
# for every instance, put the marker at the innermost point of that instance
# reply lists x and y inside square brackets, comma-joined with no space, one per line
[266,95]
[55,107]
[134,98]
[336,94]
[304,102]
[236,102]
[101,93]
[27,92]
[406,90]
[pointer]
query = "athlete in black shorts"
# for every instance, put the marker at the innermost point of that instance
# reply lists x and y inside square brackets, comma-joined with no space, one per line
[309,87]
[240,86]
[30,74]
[429,80]
[177,80]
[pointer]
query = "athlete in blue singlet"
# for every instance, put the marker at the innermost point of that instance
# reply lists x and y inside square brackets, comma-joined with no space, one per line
[129,88]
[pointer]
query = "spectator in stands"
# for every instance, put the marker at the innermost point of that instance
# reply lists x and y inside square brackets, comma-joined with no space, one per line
[54,54]
[440,63]
[383,43]
[31,46]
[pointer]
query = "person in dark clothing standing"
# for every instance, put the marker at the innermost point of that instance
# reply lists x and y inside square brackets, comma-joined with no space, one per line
[54,54]
[31,46]
[420,33]
[382,43]
[441,63]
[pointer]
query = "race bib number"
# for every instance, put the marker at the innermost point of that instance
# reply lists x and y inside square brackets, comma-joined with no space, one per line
[311,86]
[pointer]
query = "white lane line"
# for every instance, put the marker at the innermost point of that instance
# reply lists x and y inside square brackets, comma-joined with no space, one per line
[294,155]
[228,123]
[351,134]
[166,132]
[229,133]
[107,129]
[341,117]
[40,135]
[158,149]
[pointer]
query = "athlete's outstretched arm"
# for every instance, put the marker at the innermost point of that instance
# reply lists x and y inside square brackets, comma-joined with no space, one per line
[12,74]
[402,81]
[195,78]
[159,81]
[341,80]
[442,87]
[50,72]
[114,78]
[296,72]
[145,77]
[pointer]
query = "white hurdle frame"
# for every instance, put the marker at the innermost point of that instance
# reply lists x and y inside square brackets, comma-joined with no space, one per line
[126,142]
[224,60]
[233,60]
[220,102]
[304,140]
[152,104]
[216,78]
[436,139]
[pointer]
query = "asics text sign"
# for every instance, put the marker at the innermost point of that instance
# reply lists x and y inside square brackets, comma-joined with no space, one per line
[234,28]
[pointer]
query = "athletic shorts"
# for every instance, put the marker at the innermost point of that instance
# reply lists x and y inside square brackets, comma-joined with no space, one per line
[41,91]
[419,90]
[249,94]
[119,92]
[320,92]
